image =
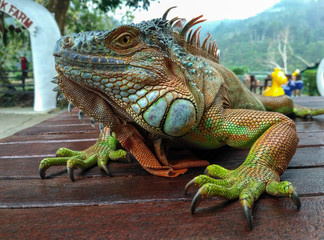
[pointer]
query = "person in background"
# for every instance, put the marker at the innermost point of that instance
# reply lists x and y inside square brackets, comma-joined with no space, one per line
[298,83]
[247,80]
[254,84]
[24,70]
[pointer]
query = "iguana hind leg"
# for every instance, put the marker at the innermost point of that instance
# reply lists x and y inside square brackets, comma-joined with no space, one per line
[238,185]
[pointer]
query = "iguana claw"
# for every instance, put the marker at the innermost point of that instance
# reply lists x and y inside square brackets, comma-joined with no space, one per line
[196,201]
[70,173]
[105,168]
[188,185]
[42,173]
[248,215]
[296,200]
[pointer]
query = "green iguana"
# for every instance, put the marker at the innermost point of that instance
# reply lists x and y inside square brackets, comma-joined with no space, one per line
[152,82]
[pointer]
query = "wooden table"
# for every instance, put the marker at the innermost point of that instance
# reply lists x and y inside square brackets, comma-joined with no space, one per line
[136,205]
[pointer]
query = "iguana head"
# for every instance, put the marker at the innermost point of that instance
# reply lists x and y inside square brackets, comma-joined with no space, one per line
[145,73]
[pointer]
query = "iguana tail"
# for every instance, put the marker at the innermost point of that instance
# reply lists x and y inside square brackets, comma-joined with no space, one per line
[301,111]
[284,104]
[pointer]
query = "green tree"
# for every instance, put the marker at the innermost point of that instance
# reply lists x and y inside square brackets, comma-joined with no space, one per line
[239,70]
[14,43]
[80,19]
[310,82]
[60,7]
[257,42]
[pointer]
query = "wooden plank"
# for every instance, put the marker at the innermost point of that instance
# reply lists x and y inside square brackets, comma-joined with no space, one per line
[17,163]
[41,146]
[309,139]
[113,190]
[167,220]
[58,129]
[28,169]
[47,138]
[307,126]
[44,147]
[135,204]
[311,101]
[47,145]
[308,157]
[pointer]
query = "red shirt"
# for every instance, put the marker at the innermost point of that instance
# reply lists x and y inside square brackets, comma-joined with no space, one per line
[23,63]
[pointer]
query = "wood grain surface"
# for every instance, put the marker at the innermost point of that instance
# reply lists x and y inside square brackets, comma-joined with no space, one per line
[133,204]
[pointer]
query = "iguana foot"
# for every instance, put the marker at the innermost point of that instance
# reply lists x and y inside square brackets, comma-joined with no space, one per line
[246,183]
[100,153]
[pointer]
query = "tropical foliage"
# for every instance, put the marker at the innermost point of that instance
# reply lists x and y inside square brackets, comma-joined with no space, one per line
[289,35]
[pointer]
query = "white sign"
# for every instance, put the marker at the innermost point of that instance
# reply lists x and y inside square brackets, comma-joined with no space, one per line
[320,78]
[18,14]
[44,33]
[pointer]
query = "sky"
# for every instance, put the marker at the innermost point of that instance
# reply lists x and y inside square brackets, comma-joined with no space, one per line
[211,9]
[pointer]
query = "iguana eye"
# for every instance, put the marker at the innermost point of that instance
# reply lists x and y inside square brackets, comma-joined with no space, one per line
[126,40]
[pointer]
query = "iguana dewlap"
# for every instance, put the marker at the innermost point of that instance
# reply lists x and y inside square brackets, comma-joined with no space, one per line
[156,81]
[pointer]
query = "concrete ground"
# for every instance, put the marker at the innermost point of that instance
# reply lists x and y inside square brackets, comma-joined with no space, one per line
[15,119]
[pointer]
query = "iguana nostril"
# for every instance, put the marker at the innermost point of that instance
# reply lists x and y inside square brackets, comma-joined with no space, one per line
[68,41]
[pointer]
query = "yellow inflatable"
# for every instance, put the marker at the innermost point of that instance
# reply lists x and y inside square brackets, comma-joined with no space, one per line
[296,72]
[278,78]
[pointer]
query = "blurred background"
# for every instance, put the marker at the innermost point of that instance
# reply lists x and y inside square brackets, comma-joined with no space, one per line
[254,37]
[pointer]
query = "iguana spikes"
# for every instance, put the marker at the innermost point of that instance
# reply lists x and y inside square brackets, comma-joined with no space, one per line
[213,47]
[194,36]
[209,46]
[164,17]
[204,45]
[178,24]
[198,39]
[55,80]
[189,35]
[81,115]
[70,107]
[190,24]
[175,19]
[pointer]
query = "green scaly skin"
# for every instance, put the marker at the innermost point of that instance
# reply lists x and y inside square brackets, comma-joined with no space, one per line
[157,79]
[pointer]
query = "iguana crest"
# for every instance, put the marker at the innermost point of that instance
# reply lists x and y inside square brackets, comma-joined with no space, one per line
[208,48]
[184,35]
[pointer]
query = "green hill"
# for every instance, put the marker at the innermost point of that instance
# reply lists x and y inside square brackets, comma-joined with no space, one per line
[294,26]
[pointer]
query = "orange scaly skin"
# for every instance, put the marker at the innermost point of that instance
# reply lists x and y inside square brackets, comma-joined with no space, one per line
[152,82]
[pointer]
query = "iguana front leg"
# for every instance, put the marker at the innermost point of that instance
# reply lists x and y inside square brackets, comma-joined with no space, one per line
[273,141]
[105,149]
